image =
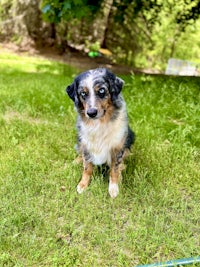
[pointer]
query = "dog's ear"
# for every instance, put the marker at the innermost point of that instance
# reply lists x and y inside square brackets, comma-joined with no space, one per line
[118,84]
[71,91]
[116,87]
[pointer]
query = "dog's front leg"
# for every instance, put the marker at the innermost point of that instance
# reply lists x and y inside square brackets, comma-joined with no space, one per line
[113,183]
[115,172]
[117,165]
[86,176]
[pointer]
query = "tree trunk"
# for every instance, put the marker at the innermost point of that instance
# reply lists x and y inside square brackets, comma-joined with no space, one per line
[31,22]
[101,22]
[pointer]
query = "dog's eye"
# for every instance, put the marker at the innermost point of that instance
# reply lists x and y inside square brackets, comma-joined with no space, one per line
[83,94]
[101,92]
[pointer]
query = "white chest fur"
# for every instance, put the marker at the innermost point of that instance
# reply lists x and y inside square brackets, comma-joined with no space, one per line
[100,138]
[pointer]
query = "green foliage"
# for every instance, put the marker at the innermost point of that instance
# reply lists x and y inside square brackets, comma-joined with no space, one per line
[43,222]
[55,10]
[155,33]
[137,6]
[146,33]
[92,46]
[140,33]
[5,6]
[188,14]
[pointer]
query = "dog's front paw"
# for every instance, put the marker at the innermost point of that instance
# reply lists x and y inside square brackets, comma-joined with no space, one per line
[80,188]
[113,189]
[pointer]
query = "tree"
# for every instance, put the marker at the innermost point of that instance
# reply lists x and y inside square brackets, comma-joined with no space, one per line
[21,20]
[134,30]
[149,31]
[138,32]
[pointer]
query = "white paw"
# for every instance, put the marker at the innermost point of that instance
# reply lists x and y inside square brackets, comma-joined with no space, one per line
[80,189]
[113,189]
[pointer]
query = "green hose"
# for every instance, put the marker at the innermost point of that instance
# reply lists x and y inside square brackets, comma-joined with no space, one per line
[174,263]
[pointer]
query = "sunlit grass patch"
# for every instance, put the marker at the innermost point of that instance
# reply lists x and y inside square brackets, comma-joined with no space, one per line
[15,63]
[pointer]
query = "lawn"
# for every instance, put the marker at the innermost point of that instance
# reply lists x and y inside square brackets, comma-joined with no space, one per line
[44,222]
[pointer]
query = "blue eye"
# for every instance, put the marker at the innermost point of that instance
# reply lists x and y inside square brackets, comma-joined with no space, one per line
[83,94]
[101,92]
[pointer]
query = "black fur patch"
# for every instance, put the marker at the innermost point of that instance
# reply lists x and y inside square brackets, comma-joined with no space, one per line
[130,138]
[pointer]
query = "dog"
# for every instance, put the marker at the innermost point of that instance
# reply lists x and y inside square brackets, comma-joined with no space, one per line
[104,136]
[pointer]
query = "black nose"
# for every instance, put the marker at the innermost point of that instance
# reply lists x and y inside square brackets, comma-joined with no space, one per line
[92,112]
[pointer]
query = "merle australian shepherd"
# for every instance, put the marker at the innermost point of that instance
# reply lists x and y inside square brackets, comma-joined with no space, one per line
[104,136]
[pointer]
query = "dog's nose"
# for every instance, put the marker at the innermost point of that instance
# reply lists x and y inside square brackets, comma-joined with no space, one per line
[92,112]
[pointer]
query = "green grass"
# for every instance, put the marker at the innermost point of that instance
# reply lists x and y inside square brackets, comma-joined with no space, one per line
[43,222]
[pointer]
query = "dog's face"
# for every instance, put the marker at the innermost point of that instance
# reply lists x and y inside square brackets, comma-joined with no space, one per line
[96,93]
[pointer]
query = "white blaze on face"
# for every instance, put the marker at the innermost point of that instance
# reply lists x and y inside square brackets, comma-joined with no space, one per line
[92,82]
[89,84]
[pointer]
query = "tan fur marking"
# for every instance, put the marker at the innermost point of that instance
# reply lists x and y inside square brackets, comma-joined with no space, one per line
[108,107]
[115,175]
[86,176]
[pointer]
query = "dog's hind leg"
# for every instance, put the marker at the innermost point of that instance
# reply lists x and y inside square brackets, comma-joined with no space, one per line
[86,176]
